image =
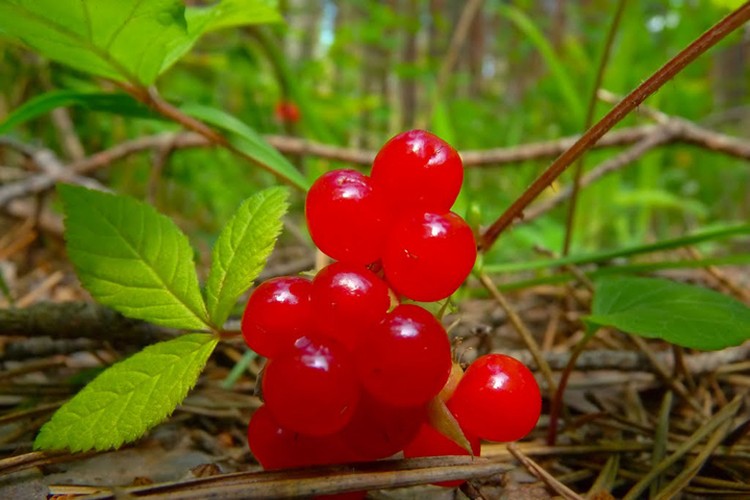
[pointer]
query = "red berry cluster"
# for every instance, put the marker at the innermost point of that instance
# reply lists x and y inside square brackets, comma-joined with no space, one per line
[399,215]
[351,371]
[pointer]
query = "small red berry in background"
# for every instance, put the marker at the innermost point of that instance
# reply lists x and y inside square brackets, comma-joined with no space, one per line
[347,299]
[416,170]
[406,359]
[428,255]
[498,399]
[278,312]
[287,112]
[311,388]
[347,219]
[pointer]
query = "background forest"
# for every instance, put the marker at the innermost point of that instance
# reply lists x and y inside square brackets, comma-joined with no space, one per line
[510,85]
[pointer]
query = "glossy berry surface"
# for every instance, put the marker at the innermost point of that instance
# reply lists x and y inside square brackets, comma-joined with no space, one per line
[346,218]
[406,359]
[275,447]
[347,299]
[416,170]
[497,399]
[312,387]
[278,312]
[379,430]
[428,256]
[429,442]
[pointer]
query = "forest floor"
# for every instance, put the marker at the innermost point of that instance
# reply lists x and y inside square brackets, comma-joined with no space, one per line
[639,418]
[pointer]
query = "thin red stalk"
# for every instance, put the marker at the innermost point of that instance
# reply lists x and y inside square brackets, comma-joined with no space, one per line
[630,102]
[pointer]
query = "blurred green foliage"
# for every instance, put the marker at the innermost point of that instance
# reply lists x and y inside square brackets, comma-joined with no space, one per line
[524,75]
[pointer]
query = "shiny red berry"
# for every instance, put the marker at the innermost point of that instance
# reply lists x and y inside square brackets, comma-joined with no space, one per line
[429,442]
[497,399]
[378,430]
[311,388]
[406,359]
[278,312]
[346,217]
[418,170]
[347,299]
[429,255]
[275,447]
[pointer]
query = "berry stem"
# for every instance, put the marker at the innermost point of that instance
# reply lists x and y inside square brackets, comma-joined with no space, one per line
[700,45]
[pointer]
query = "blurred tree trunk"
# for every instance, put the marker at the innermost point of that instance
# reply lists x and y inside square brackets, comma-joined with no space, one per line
[476,53]
[437,39]
[310,14]
[375,58]
[409,100]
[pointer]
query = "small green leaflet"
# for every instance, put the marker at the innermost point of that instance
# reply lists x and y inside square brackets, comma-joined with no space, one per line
[133,259]
[247,141]
[125,40]
[689,316]
[241,250]
[128,398]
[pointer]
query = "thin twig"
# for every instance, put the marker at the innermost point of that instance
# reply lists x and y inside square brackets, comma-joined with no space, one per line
[543,475]
[522,330]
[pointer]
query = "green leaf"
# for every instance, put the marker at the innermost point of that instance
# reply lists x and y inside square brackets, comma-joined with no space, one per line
[222,15]
[125,40]
[248,142]
[242,250]
[128,398]
[121,104]
[685,315]
[133,259]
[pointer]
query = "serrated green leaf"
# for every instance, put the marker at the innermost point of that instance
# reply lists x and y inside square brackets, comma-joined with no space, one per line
[242,249]
[128,398]
[121,104]
[686,315]
[131,258]
[125,40]
[248,142]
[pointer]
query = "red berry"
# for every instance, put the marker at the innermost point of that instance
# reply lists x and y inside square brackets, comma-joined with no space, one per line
[347,299]
[427,256]
[418,170]
[497,399]
[287,112]
[346,218]
[406,359]
[429,442]
[278,312]
[275,447]
[312,387]
[378,430]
